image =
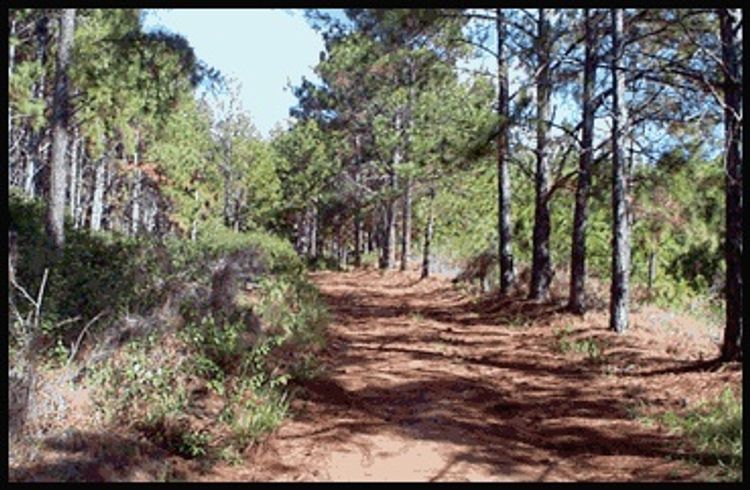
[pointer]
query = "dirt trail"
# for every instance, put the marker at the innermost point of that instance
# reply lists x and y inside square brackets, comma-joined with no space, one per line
[424,386]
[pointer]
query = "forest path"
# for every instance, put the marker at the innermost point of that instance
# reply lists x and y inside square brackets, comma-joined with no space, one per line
[424,386]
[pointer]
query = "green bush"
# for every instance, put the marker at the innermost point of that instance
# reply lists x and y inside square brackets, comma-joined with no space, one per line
[714,429]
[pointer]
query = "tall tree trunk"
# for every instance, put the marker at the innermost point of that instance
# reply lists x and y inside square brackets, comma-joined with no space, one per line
[428,235]
[731,44]
[73,185]
[77,202]
[135,209]
[504,222]
[389,238]
[406,225]
[313,241]
[541,269]
[11,60]
[620,289]
[577,299]
[97,206]
[357,240]
[60,122]
[29,186]
[651,270]
[371,236]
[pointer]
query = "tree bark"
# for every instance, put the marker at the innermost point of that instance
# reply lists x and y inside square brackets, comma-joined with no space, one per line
[651,270]
[11,60]
[73,185]
[731,44]
[620,288]
[135,210]
[313,245]
[406,225]
[541,270]
[97,206]
[389,238]
[504,222]
[428,235]
[60,122]
[357,240]
[577,299]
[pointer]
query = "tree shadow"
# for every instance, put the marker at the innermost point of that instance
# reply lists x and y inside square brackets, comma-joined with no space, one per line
[556,412]
[99,457]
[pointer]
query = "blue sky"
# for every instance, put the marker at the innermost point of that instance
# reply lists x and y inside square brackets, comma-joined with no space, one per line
[262,48]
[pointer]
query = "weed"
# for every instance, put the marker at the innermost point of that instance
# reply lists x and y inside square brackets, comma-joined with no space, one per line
[589,347]
[714,430]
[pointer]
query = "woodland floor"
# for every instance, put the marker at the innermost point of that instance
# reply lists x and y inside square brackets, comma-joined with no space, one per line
[426,383]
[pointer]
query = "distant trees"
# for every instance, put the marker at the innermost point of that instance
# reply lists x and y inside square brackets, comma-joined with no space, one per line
[585,127]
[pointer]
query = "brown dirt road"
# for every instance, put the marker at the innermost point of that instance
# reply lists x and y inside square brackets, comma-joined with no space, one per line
[424,384]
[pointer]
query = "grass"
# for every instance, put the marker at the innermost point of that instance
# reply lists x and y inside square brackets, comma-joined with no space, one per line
[589,346]
[713,430]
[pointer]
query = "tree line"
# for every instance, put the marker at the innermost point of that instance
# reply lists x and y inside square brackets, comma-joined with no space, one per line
[105,124]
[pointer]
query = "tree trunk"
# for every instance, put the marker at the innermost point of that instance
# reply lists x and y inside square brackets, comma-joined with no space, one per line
[731,43]
[72,186]
[389,238]
[651,270]
[541,269]
[29,186]
[11,60]
[60,122]
[577,299]
[428,235]
[406,226]
[135,209]
[620,289]
[371,236]
[313,241]
[77,207]
[357,240]
[504,222]
[97,207]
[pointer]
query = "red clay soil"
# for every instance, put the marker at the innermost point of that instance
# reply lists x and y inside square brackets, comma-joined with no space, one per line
[425,384]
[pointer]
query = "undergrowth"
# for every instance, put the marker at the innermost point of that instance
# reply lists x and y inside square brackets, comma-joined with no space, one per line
[204,385]
[589,347]
[713,429]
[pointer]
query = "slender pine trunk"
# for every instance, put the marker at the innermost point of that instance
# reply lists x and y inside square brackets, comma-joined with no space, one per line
[428,235]
[406,225]
[504,223]
[541,270]
[577,299]
[60,124]
[620,289]
[97,206]
[135,210]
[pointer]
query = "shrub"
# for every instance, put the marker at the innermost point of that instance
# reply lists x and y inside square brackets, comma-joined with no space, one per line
[714,429]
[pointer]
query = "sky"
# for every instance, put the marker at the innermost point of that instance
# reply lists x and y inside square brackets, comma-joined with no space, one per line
[263,48]
[266,49]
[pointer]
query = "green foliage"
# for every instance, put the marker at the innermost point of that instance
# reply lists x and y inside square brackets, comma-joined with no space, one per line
[589,347]
[97,271]
[714,429]
[247,363]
